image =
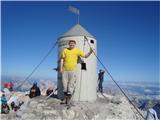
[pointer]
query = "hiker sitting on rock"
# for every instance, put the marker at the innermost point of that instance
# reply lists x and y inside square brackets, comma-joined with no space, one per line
[15,101]
[4,106]
[49,91]
[9,86]
[16,107]
[34,91]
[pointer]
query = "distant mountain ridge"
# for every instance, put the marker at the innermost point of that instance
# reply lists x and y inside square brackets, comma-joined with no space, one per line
[142,95]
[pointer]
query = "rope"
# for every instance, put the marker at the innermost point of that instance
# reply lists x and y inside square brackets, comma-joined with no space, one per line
[114,80]
[37,66]
[85,38]
[107,99]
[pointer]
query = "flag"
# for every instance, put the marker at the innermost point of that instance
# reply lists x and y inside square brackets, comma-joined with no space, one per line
[74,10]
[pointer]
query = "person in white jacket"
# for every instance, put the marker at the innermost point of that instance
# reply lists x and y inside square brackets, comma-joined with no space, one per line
[154,113]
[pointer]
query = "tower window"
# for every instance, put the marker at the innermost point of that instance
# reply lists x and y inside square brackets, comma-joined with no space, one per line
[92,41]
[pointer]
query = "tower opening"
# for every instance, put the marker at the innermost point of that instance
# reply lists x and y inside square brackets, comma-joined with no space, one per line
[83,66]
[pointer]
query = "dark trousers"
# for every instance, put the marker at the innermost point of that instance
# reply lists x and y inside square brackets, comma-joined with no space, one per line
[100,87]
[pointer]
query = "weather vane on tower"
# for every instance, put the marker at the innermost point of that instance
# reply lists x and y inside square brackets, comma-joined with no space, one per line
[75,11]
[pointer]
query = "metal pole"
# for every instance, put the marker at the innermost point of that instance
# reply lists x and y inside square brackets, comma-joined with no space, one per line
[78,18]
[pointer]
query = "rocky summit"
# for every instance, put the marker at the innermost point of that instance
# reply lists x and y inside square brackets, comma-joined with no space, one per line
[106,107]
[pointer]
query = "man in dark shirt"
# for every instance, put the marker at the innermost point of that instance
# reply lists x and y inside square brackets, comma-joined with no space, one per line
[34,91]
[100,80]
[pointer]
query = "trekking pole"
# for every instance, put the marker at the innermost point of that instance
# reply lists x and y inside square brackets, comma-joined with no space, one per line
[50,95]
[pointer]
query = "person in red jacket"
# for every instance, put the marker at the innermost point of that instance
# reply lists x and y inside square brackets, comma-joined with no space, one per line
[5,85]
[11,86]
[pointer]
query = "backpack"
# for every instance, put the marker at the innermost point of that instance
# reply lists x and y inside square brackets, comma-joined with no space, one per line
[5,109]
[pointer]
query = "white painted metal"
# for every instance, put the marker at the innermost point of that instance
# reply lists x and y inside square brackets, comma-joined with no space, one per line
[86,79]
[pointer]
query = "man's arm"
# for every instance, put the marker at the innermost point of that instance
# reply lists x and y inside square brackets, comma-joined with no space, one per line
[88,54]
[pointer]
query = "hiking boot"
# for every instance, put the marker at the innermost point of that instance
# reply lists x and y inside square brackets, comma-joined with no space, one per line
[69,94]
[64,101]
[70,104]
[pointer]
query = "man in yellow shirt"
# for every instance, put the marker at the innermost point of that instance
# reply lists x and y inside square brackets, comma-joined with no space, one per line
[68,66]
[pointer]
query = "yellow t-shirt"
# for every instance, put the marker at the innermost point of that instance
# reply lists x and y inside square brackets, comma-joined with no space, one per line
[70,58]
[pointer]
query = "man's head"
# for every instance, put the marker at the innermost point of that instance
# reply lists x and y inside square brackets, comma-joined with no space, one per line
[72,44]
[101,70]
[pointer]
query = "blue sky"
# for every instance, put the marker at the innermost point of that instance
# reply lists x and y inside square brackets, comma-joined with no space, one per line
[127,36]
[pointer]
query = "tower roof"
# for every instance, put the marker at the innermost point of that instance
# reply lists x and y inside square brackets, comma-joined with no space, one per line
[77,30]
